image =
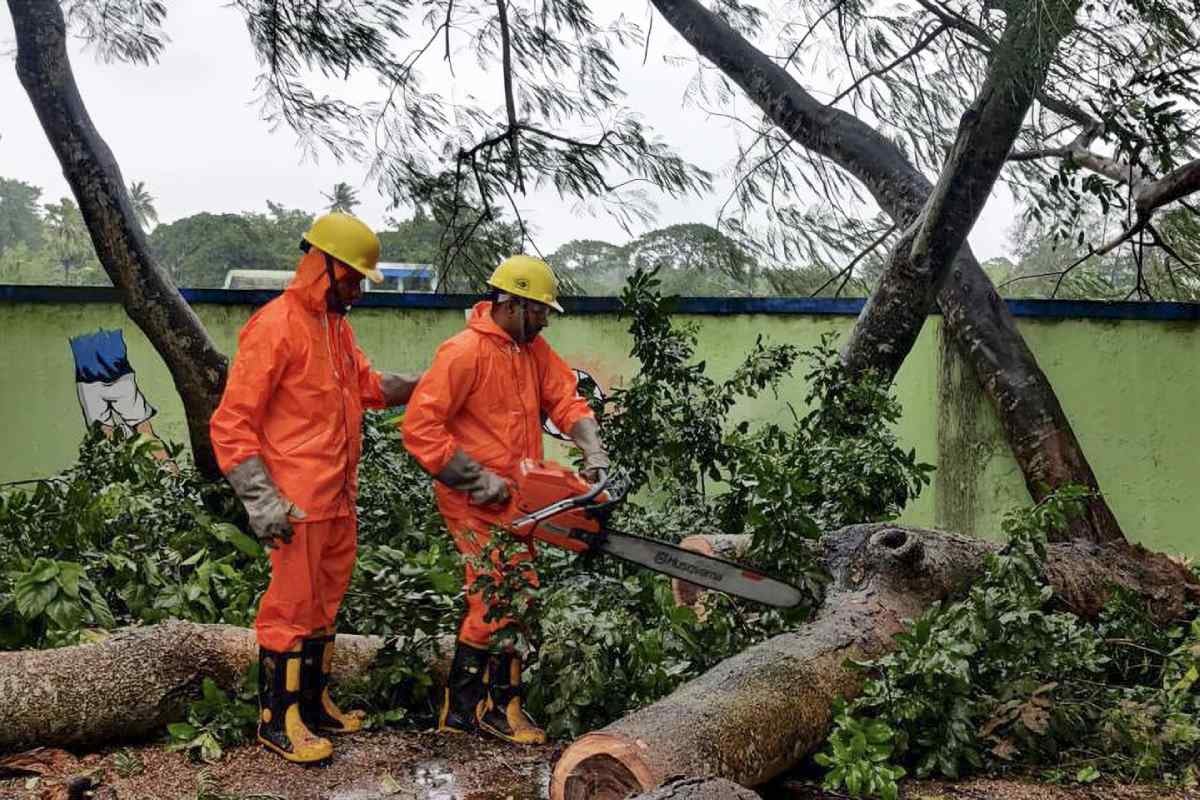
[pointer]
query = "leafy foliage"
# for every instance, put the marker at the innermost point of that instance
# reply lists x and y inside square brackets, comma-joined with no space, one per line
[117,540]
[216,720]
[999,678]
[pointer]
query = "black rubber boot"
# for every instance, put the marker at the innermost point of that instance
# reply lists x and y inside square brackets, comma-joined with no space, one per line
[317,708]
[503,716]
[464,690]
[280,726]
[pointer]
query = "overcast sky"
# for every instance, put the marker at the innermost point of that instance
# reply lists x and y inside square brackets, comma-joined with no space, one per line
[189,128]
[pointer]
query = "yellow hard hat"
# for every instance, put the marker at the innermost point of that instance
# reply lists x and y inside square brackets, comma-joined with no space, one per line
[528,277]
[349,240]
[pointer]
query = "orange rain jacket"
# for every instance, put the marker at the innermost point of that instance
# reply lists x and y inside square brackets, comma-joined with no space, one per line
[486,394]
[295,396]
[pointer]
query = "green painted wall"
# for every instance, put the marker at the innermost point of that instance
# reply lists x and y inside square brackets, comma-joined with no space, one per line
[1127,388]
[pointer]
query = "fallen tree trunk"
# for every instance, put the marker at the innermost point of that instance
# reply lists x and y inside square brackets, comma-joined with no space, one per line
[136,681]
[698,789]
[757,714]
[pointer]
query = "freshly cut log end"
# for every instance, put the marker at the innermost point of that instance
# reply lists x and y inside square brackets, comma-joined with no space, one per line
[698,789]
[600,766]
[729,546]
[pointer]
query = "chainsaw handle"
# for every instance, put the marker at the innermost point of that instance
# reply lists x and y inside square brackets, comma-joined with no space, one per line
[566,504]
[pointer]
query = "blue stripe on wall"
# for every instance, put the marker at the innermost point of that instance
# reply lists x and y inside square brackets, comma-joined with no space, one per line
[1053,309]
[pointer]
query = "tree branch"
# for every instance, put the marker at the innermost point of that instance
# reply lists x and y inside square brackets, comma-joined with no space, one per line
[900,59]
[1055,104]
[510,104]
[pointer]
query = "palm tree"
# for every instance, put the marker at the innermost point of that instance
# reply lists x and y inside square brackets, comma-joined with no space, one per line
[68,236]
[342,198]
[143,204]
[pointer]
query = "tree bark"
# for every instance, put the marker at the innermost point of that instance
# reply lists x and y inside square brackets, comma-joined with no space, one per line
[757,714]
[698,789]
[1034,423]
[133,683]
[147,293]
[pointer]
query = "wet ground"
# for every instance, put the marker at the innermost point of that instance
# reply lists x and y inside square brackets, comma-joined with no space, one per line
[365,766]
[392,765]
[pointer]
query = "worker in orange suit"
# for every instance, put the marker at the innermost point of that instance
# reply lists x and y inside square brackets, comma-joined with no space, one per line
[288,436]
[476,413]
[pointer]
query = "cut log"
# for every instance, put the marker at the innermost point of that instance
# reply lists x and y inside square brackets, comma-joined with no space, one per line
[755,715]
[137,680]
[730,546]
[698,789]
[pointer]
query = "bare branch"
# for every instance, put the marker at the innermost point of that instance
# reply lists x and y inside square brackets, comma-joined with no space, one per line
[921,45]
[849,268]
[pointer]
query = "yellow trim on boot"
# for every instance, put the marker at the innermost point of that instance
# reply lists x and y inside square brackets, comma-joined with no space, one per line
[524,729]
[442,727]
[307,748]
[351,721]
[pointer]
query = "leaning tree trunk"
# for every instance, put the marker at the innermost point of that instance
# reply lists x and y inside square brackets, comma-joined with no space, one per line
[758,713]
[139,679]
[149,296]
[1034,423]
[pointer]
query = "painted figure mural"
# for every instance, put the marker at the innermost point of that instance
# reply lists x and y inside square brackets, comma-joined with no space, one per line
[107,386]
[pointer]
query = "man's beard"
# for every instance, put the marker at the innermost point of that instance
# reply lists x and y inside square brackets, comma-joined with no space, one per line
[334,304]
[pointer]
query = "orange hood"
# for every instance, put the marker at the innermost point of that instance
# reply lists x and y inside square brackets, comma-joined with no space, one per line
[310,284]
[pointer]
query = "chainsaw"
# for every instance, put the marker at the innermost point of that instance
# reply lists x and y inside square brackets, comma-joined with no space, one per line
[555,505]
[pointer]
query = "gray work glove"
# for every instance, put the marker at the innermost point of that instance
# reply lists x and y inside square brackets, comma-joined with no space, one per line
[397,388]
[586,436]
[267,508]
[466,475]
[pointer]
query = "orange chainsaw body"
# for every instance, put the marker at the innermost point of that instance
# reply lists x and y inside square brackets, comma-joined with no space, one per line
[539,484]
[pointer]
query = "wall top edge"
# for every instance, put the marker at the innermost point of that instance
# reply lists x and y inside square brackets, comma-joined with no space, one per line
[717,306]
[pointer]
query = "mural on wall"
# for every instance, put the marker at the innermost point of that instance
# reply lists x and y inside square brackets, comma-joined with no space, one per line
[107,386]
[589,389]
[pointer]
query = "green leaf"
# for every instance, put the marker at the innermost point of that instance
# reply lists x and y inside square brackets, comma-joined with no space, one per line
[65,613]
[1088,774]
[32,596]
[69,574]
[182,731]
[43,570]
[210,748]
[231,534]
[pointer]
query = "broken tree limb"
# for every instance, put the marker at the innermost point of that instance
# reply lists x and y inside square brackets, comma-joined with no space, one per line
[137,680]
[757,714]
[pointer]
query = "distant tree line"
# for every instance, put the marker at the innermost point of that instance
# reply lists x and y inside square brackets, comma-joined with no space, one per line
[47,244]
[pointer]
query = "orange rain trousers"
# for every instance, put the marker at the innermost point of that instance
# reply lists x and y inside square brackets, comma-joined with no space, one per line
[309,577]
[472,534]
